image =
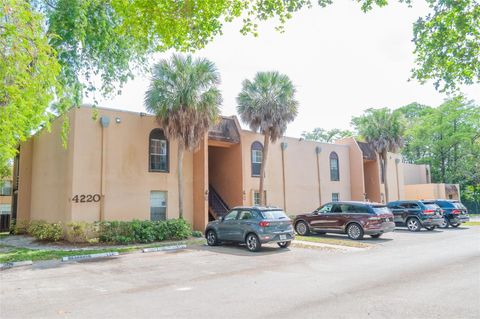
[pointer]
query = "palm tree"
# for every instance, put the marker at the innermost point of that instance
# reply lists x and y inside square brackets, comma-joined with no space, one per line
[384,130]
[184,95]
[267,104]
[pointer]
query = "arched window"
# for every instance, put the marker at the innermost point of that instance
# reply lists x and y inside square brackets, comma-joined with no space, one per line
[334,168]
[257,157]
[158,151]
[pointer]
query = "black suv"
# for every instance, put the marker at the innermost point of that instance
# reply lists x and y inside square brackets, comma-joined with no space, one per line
[454,212]
[415,214]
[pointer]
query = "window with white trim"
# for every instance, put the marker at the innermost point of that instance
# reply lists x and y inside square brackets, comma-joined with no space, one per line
[335,197]
[257,158]
[256,198]
[158,205]
[5,209]
[158,154]
[5,188]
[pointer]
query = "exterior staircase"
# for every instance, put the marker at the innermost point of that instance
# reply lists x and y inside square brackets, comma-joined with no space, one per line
[217,208]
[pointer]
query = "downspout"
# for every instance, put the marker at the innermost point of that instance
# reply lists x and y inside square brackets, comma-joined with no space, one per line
[397,161]
[284,145]
[104,121]
[318,149]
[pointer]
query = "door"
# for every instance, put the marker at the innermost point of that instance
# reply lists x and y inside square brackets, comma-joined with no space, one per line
[320,219]
[246,222]
[399,213]
[226,228]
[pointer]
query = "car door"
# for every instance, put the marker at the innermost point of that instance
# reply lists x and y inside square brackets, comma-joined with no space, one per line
[343,214]
[399,213]
[246,222]
[226,227]
[331,219]
[320,219]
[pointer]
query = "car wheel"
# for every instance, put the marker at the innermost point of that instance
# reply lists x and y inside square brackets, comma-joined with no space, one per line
[284,244]
[413,224]
[445,223]
[355,231]
[430,227]
[455,225]
[302,228]
[376,236]
[212,239]
[252,242]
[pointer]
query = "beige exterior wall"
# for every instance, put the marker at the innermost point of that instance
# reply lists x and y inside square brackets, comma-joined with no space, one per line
[301,173]
[225,173]
[428,191]
[395,178]
[113,162]
[44,179]
[127,180]
[416,174]
[357,174]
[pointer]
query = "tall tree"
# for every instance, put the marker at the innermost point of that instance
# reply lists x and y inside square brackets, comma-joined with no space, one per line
[98,44]
[384,130]
[267,104]
[184,95]
[327,136]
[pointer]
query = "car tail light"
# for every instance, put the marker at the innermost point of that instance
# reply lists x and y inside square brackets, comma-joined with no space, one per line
[263,223]
[456,212]
[429,212]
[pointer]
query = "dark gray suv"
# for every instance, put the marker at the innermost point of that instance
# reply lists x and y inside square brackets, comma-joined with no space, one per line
[253,226]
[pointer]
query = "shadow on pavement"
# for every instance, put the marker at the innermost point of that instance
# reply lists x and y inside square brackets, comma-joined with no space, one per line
[366,240]
[241,250]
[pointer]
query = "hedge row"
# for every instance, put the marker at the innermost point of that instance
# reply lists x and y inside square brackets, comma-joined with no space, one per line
[112,232]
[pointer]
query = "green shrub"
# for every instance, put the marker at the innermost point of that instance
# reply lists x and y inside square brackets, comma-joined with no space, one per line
[80,232]
[197,233]
[19,227]
[136,231]
[42,230]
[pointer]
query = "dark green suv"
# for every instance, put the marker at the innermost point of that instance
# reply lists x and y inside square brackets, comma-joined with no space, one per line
[415,214]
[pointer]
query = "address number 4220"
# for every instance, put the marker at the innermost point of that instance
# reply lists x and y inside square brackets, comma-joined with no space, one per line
[86,198]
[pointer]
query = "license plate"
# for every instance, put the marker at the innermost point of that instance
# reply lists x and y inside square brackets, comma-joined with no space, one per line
[283,237]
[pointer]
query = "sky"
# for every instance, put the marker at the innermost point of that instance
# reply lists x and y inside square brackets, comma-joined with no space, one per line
[341,61]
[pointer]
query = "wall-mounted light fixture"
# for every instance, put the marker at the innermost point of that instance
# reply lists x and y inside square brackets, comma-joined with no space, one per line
[118,120]
[104,121]
[206,194]
[318,149]
[244,195]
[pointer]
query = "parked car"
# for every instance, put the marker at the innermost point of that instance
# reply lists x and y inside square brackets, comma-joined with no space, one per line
[415,214]
[355,219]
[454,213]
[253,226]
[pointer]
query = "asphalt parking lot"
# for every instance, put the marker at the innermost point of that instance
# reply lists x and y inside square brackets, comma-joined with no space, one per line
[403,275]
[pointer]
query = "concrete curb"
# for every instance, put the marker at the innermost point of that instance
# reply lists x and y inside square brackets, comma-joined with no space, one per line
[16,264]
[339,247]
[91,256]
[164,248]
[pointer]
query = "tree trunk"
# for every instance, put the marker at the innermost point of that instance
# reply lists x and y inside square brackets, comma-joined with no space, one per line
[385,177]
[180,181]
[266,142]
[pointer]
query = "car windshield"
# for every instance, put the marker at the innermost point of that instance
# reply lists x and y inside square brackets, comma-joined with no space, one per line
[459,206]
[381,210]
[274,214]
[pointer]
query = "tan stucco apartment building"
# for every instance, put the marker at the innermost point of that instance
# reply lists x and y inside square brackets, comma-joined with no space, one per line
[121,167]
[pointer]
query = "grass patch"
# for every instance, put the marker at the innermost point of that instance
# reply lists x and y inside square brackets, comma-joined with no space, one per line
[332,241]
[10,253]
[471,224]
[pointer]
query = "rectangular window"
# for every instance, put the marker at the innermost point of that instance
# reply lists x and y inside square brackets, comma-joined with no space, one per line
[5,188]
[5,209]
[334,175]
[256,162]
[158,155]
[335,197]
[158,205]
[256,198]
